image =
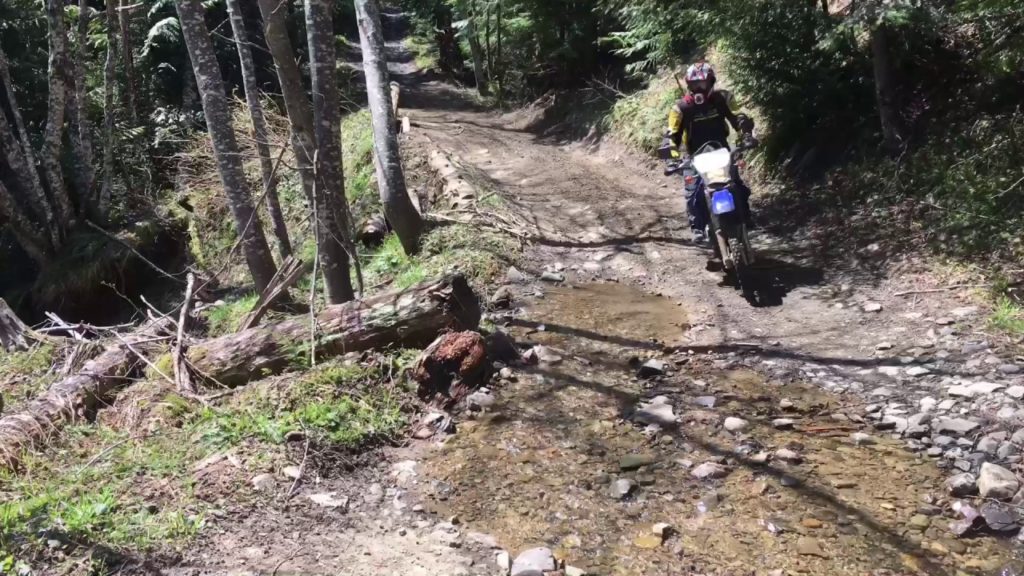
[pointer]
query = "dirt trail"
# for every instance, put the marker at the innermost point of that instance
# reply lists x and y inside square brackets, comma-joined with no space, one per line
[537,469]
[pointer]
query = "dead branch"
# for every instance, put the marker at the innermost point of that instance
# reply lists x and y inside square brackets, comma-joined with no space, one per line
[182,377]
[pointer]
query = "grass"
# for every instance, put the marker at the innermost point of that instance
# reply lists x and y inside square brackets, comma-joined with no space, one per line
[639,119]
[26,373]
[357,154]
[424,51]
[226,318]
[1008,317]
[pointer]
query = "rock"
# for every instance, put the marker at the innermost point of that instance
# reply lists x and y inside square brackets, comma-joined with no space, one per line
[809,547]
[862,439]
[708,503]
[375,495]
[988,445]
[648,541]
[652,368]
[480,400]
[974,389]
[945,321]
[446,533]
[733,424]
[892,371]
[555,277]
[918,425]
[787,455]
[969,522]
[1015,392]
[330,500]
[1009,369]
[943,441]
[974,347]
[293,472]
[872,307]
[812,523]
[962,485]
[918,371]
[502,297]
[705,401]
[997,482]
[1018,437]
[920,522]
[783,423]
[534,561]
[789,481]
[544,355]
[264,482]
[891,422]
[633,461]
[882,346]
[959,426]
[660,414]
[1005,450]
[774,525]
[503,561]
[485,540]
[710,470]
[1000,517]
[786,404]
[514,276]
[574,571]
[933,452]
[621,488]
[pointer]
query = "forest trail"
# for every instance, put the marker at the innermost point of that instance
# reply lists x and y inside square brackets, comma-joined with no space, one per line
[669,426]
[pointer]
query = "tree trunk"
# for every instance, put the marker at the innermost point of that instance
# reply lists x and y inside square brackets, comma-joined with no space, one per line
[487,42]
[78,119]
[331,207]
[12,330]
[260,132]
[885,89]
[53,133]
[109,81]
[20,157]
[225,148]
[394,196]
[498,67]
[128,60]
[476,52]
[75,397]
[410,318]
[33,240]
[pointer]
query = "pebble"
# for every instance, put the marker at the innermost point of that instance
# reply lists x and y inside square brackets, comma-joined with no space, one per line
[733,424]
[263,482]
[997,482]
[862,439]
[1010,369]
[786,404]
[872,307]
[621,488]
[660,414]
[503,561]
[574,571]
[1015,392]
[634,461]
[292,472]
[783,423]
[329,500]
[705,401]
[812,523]
[555,277]
[710,470]
[974,389]
[882,346]
[787,455]
[955,425]
[988,445]
[920,522]
[810,547]
[480,400]
[533,561]
[918,371]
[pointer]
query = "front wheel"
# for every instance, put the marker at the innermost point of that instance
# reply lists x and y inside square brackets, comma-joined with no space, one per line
[744,263]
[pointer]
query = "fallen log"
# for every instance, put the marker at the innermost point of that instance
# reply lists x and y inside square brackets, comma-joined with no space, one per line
[413,317]
[78,396]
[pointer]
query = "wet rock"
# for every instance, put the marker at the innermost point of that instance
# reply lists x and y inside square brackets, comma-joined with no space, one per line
[502,297]
[621,488]
[533,562]
[962,485]
[330,500]
[955,425]
[997,482]
[264,482]
[651,368]
[1000,517]
[631,462]
[710,470]
[705,401]
[783,423]
[917,371]
[787,455]
[660,414]
[554,277]
[810,547]
[970,521]
[872,307]
[733,424]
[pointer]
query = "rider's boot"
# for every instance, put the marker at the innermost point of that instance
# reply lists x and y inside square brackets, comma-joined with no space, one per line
[698,236]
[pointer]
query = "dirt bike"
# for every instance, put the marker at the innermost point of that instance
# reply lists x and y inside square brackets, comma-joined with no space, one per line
[711,170]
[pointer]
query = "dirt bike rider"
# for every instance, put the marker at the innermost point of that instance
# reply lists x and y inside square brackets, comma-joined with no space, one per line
[704,115]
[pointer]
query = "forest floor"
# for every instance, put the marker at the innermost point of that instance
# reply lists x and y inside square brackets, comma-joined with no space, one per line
[669,425]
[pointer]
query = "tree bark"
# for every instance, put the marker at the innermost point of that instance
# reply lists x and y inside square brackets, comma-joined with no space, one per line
[331,207]
[411,318]
[78,119]
[12,330]
[20,157]
[476,52]
[499,73]
[260,132]
[885,89]
[225,147]
[75,397]
[33,240]
[394,196]
[128,60]
[109,81]
[52,135]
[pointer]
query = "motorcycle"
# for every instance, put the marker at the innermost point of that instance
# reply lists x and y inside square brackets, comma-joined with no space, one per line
[711,170]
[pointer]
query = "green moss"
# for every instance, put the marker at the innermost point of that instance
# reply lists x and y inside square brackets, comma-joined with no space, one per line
[226,318]
[357,152]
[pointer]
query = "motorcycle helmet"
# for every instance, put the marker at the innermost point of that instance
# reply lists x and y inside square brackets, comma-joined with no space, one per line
[700,81]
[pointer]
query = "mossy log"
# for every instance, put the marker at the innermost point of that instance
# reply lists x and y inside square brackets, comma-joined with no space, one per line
[412,318]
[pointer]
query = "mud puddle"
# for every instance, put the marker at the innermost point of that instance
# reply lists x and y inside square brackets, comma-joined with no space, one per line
[540,469]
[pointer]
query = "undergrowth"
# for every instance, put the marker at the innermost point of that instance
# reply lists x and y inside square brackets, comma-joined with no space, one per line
[23,374]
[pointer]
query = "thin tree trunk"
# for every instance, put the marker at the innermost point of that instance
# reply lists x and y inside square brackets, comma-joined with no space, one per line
[225,148]
[487,42]
[331,205]
[33,240]
[498,67]
[885,89]
[405,220]
[128,60]
[78,119]
[260,132]
[300,114]
[476,52]
[109,81]
[21,158]
[52,135]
